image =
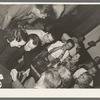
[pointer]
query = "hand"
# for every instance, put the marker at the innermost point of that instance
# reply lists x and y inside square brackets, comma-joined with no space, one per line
[13,74]
[27,72]
[14,43]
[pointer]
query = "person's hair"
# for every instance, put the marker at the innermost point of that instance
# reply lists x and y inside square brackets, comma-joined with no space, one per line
[16,34]
[52,78]
[72,42]
[65,76]
[45,9]
[35,38]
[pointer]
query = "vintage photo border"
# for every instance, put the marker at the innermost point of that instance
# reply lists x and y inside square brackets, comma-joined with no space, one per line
[50,93]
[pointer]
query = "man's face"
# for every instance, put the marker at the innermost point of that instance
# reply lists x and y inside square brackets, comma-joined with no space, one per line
[68,46]
[40,14]
[29,45]
[48,38]
[15,43]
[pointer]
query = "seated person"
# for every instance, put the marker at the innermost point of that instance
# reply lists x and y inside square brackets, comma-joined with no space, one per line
[82,79]
[48,79]
[60,51]
[65,37]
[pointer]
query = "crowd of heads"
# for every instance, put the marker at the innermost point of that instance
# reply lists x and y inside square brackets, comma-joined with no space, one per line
[66,73]
[63,68]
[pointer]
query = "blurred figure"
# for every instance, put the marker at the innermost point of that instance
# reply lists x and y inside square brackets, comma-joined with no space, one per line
[48,79]
[82,79]
[90,67]
[70,63]
[65,75]
[20,14]
[45,37]
[97,61]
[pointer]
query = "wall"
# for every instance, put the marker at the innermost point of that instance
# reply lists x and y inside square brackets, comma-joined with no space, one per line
[93,36]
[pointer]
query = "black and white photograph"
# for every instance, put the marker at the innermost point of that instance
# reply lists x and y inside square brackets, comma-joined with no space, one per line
[49,46]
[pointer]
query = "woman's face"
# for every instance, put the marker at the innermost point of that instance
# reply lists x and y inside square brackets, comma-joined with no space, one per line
[75,57]
[82,79]
[92,71]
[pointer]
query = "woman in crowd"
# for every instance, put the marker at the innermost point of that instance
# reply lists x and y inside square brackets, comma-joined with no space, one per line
[82,79]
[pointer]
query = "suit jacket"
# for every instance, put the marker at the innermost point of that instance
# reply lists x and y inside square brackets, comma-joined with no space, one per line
[7,80]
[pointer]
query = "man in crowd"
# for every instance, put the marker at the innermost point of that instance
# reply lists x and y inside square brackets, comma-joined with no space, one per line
[60,51]
[52,55]
[18,48]
[45,37]
[25,13]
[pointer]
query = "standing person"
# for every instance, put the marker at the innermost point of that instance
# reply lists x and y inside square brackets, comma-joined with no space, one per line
[25,13]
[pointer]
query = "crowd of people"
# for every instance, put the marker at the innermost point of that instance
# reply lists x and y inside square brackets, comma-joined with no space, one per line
[30,57]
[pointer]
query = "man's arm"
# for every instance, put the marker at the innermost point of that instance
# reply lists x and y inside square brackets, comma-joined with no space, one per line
[55,49]
[16,83]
